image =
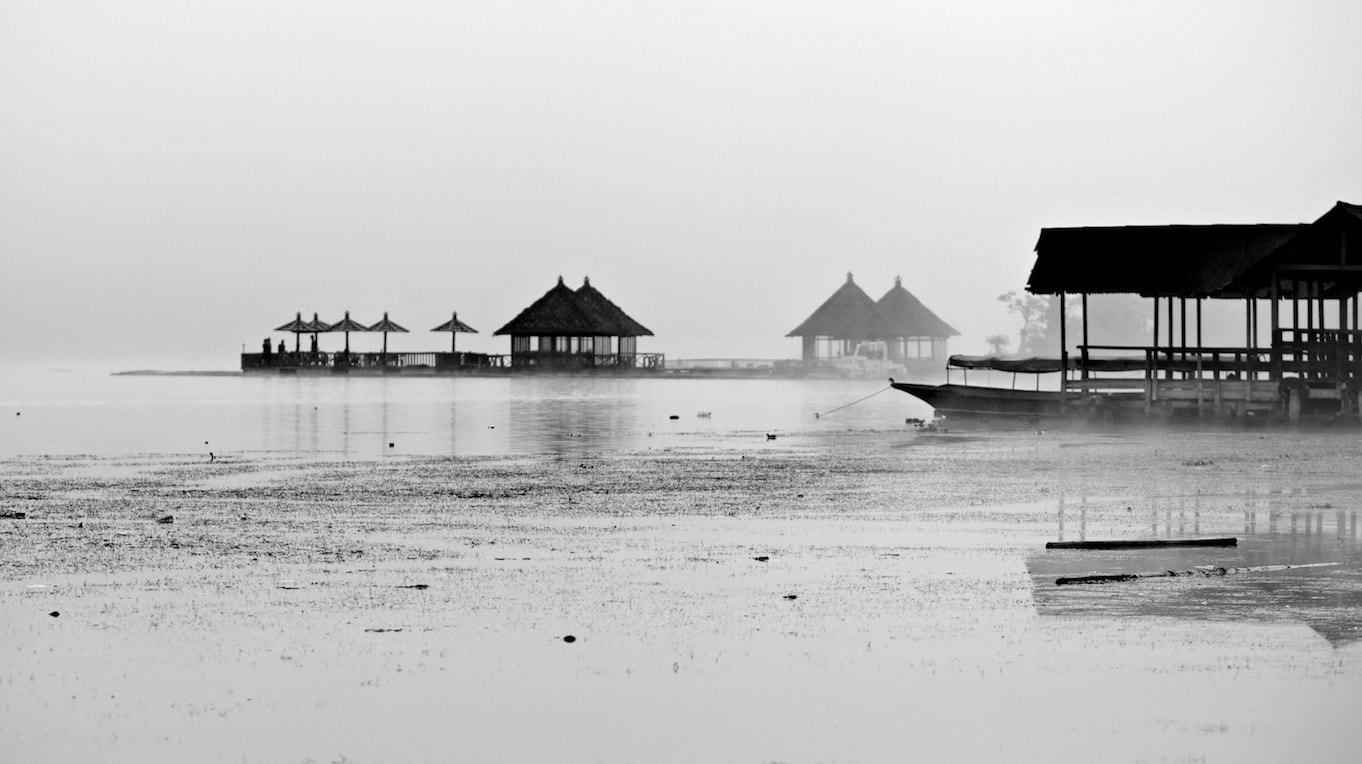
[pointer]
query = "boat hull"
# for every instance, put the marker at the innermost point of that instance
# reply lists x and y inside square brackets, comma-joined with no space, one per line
[966,400]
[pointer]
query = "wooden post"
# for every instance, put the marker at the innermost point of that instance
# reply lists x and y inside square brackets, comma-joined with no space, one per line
[1063,352]
[1152,364]
[1156,323]
[1254,343]
[1168,374]
[1274,338]
[1085,335]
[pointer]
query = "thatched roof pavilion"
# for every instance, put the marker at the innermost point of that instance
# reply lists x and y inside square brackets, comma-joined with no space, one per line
[573,329]
[912,324]
[610,314]
[850,316]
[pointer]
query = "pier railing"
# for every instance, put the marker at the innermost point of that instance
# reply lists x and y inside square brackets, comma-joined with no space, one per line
[545,359]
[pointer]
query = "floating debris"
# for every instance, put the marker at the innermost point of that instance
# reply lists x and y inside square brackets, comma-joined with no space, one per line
[167,520]
[702,414]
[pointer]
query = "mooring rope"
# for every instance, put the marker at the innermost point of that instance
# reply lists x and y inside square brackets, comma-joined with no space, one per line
[817,415]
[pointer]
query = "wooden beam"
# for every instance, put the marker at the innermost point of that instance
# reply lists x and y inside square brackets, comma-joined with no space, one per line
[1320,269]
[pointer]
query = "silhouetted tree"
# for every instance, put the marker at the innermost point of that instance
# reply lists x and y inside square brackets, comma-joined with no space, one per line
[1034,311]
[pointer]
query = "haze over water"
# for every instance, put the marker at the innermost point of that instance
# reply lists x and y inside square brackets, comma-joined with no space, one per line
[86,412]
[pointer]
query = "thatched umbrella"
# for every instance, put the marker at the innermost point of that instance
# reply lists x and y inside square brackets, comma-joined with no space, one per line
[316,325]
[454,326]
[347,325]
[386,326]
[299,327]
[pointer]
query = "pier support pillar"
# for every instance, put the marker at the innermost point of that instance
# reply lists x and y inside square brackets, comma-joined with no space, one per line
[1293,404]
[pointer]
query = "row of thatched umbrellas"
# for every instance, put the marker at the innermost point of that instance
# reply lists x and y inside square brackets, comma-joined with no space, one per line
[299,327]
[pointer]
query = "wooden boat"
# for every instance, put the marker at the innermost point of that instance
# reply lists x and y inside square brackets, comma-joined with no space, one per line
[988,401]
[970,400]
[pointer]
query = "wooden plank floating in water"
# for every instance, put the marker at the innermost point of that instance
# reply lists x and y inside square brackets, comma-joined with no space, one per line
[1206,572]
[1141,543]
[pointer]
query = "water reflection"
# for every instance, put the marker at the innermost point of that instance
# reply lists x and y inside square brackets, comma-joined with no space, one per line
[1273,528]
[358,416]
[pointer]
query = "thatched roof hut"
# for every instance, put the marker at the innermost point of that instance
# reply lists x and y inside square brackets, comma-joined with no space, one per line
[609,313]
[573,329]
[558,313]
[908,317]
[850,316]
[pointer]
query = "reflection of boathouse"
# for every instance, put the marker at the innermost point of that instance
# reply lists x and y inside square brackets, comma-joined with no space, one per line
[1306,278]
[577,329]
[850,317]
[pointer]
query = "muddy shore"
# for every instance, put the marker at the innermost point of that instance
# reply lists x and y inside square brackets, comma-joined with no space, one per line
[832,597]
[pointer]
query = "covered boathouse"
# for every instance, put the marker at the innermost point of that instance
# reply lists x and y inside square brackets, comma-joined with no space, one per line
[849,317]
[580,329]
[1299,286]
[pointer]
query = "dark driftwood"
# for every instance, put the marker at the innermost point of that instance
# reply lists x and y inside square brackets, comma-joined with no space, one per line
[1141,543]
[1206,572]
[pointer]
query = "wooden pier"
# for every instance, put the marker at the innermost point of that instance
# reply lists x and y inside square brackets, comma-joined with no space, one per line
[1306,276]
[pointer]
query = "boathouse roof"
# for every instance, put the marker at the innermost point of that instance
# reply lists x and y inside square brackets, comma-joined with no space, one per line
[582,313]
[1319,253]
[1162,261]
[908,317]
[849,313]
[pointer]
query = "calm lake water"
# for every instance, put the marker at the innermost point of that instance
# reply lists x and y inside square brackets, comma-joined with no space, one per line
[86,412]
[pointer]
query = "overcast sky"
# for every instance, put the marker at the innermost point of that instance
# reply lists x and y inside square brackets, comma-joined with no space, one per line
[177,178]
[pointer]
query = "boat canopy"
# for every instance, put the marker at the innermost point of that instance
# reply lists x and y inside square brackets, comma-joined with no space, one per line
[1041,365]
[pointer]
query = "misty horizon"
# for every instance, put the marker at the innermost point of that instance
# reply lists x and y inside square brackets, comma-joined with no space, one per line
[178,181]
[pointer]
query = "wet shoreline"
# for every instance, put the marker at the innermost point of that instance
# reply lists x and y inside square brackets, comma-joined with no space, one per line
[849,596]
